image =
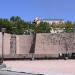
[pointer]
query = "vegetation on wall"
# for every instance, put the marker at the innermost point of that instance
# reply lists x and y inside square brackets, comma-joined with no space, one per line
[16,25]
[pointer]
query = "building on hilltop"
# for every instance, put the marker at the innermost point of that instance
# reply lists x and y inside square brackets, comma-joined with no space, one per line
[50,21]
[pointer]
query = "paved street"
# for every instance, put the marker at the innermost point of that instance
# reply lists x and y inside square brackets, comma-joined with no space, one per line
[46,67]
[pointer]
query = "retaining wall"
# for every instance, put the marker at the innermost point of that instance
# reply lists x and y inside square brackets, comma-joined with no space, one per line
[6,49]
[48,43]
[23,44]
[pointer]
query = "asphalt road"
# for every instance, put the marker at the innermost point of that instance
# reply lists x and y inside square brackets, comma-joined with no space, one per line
[13,73]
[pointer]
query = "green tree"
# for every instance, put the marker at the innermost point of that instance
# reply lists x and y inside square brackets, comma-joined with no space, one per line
[68,26]
[19,25]
[43,27]
[5,23]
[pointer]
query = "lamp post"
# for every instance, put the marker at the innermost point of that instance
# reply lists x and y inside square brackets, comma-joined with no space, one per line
[3,31]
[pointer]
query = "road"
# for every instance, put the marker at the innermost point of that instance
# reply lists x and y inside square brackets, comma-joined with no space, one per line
[46,67]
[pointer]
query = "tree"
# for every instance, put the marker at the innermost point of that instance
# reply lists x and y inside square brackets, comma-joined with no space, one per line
[68,26]
[15,19]
[5,23]
[43,27]
[19,25]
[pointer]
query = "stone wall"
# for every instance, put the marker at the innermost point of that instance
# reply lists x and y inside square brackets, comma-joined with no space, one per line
[23,44]
[0,43]
[6,49]
[48,43]
[7,38]
[45,44]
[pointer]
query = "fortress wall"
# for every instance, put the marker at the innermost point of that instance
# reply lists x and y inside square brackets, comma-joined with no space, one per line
[7,38]
[23,44]
[73,43]
[6,44]
[0,43]
[70,40]
[48,43]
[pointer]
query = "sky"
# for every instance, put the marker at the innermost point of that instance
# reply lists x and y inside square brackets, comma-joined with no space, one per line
[45,9]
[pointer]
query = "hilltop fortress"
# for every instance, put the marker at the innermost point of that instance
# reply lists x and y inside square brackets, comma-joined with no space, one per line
[55,44]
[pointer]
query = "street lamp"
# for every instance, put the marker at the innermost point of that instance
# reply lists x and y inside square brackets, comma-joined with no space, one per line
[3,31]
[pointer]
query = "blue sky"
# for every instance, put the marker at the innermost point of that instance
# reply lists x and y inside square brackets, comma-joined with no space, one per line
[47,9]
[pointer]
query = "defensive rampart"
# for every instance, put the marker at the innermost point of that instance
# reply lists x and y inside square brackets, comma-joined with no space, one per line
[45,45]
[49,44]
